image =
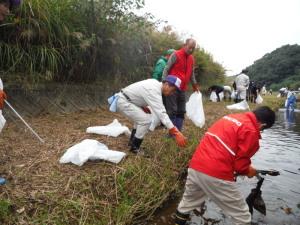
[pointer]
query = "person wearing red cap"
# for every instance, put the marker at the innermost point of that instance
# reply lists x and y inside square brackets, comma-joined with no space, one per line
[224,152]
[6,6]
[181,65]
[133,101]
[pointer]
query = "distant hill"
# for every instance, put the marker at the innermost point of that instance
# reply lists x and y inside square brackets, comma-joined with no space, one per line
[280,68]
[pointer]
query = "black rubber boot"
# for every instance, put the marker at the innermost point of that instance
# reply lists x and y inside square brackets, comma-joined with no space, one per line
[180,218]
[131,137]
[136,144]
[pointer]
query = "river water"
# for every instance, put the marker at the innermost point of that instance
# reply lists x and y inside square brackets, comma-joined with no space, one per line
[280,151]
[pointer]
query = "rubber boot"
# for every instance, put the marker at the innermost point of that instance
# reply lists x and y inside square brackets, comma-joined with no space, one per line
[180,218]
[131,137]
[179,123]
[136,144]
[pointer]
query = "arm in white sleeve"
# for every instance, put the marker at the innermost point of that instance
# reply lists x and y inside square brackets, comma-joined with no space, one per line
[154,100]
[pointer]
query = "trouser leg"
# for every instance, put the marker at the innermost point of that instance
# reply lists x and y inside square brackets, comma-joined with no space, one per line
[180,110]
[141,119]
[171,106]
[226,195]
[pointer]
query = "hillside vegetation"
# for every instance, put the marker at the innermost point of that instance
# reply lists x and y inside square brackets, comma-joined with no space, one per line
[88,40]
[280,68]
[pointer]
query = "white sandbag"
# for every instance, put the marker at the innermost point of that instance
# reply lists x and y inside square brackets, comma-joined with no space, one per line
[2,120]
[221,95]
[213,97]
[155,121]
[113,129]
[90,150]
[243,105]
[259,99]
[227,88]
[233,95]
[194,109]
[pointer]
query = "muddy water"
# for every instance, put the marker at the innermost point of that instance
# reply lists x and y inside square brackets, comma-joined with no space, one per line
[280,150]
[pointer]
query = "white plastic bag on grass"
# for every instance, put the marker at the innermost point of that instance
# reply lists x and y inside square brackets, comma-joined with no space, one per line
[213,97]
[113,129]
[194,109]
[243,105]
[259,99]
[2,121]
[90,150]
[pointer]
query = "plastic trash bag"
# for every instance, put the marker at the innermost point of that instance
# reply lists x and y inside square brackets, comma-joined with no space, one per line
[213,97]
[155,121]
[259,99]
[194,109]
[243,105]
[2,121]
[113,129]
[112,101]
[221,95]
[90,150]
[233,95]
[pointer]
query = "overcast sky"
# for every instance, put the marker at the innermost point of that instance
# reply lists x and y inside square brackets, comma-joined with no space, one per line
[235,32]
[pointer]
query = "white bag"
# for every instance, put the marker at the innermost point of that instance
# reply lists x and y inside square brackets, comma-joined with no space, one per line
[113,129]
[194,109]
[221,95]
[213,97]
[233,95]
[279,95]
[243,105]
[259,99]
[90,150]
[2,121]
[155,121]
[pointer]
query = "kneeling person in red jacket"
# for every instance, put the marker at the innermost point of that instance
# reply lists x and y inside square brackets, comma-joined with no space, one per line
[224,151]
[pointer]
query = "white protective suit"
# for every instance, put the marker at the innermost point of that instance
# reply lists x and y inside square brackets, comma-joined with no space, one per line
[142,94]
[242,84]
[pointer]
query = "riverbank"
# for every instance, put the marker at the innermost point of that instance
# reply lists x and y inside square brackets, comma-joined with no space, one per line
[42,191]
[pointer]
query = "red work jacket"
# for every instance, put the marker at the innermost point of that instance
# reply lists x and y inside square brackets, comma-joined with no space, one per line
[227,146]
[183,68]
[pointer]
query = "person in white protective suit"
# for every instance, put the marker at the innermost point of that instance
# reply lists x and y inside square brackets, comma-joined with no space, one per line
[242,84]
[134,100]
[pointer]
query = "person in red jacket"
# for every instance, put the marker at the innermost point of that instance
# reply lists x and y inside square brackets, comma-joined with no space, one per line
[223,153]
[181,65]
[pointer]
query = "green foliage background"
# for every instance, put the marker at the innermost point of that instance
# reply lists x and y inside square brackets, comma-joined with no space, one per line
[280,68]
[86,41]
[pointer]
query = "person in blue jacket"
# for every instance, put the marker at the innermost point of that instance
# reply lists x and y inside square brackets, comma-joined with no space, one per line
[291,101]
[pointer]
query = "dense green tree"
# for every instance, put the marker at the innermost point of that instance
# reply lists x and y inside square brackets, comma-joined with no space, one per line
[280,68]
[88,40]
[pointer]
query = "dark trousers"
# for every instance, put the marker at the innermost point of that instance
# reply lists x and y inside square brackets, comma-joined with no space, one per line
[175,104]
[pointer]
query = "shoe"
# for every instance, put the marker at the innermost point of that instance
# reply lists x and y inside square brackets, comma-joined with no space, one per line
[180,218]
[131,137]
[135,145]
